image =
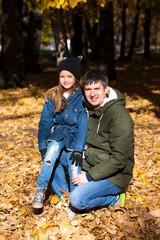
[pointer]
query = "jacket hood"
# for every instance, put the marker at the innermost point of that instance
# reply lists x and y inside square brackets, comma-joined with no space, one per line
[114,97]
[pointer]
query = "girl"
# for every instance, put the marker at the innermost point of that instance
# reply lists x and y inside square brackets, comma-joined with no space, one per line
[63,126]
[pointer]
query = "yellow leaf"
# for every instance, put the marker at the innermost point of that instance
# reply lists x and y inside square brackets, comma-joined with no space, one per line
[154,180]
[34,232]
[15,196]
[6,206]
[142,176]
[23,210]
[135,172]
[140,199]
[151,107]
[145,181]
[45,226]
[74,3]
[54,199]
[24,99]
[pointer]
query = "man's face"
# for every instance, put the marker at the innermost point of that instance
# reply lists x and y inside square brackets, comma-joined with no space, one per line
[95,94]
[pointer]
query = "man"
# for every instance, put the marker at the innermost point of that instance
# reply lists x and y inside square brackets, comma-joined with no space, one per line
[109,154]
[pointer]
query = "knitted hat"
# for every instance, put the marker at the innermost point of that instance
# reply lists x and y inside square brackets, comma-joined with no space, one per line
[72,65]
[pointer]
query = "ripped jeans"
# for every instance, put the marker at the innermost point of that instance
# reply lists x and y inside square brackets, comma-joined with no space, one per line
[51,160]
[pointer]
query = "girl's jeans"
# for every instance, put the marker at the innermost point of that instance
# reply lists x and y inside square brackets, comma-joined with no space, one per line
[52,156]
[94,194]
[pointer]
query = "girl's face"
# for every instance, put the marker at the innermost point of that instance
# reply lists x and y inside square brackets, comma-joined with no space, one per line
[67,80]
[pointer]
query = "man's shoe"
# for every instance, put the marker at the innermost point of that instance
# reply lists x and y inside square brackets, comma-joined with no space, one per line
[121,200]
[39,198]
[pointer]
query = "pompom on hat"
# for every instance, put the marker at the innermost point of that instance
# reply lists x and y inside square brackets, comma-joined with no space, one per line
[72,65]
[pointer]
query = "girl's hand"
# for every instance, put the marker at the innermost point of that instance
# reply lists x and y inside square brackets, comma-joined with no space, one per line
[52,129]
[76,158]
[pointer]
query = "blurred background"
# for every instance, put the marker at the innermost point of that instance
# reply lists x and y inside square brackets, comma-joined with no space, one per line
[103,31]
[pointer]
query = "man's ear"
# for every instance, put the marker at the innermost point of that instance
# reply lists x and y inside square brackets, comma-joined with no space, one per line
[106,89]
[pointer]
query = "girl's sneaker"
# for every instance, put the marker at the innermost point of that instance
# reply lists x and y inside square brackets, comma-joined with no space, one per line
[39,198]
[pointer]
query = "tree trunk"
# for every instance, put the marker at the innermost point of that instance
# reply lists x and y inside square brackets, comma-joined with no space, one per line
[134,33]
[106,61]
[13,71]
[122,53]
[76,40]
[33,39]
[59,32]
[147,33]
[92,39]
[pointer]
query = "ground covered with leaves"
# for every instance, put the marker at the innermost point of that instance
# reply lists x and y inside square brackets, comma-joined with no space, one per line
[20,163]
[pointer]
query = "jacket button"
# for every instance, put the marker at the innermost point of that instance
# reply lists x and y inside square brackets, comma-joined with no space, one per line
[64,133]
[67,103]
[66,115]
[74,92]
[75,110]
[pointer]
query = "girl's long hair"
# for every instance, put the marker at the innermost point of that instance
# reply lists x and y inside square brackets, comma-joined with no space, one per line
[56,94]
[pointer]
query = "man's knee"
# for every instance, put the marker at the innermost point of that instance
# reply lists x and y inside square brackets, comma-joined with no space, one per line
[76,200]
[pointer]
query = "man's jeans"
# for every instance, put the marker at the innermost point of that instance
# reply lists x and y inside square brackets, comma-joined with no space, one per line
[94,194]
[50,161]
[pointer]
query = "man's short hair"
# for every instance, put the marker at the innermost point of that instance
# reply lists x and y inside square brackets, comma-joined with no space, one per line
[94,76]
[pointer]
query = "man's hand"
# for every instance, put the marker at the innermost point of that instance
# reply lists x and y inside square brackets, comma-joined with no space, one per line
[76,158]
[79,179]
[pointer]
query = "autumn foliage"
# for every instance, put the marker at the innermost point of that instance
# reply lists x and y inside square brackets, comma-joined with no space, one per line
[20,164]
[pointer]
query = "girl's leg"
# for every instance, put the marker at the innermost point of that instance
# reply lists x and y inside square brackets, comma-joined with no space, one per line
[94,194]
[73,170]
[52,154]
[58,179]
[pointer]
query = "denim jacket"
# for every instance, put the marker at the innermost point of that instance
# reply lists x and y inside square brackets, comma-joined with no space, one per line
[70,125]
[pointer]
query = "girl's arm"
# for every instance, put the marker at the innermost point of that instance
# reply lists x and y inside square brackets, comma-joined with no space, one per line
[45,124]
[81,134]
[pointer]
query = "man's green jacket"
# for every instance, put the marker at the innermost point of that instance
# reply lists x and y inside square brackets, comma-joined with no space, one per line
[110,141]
